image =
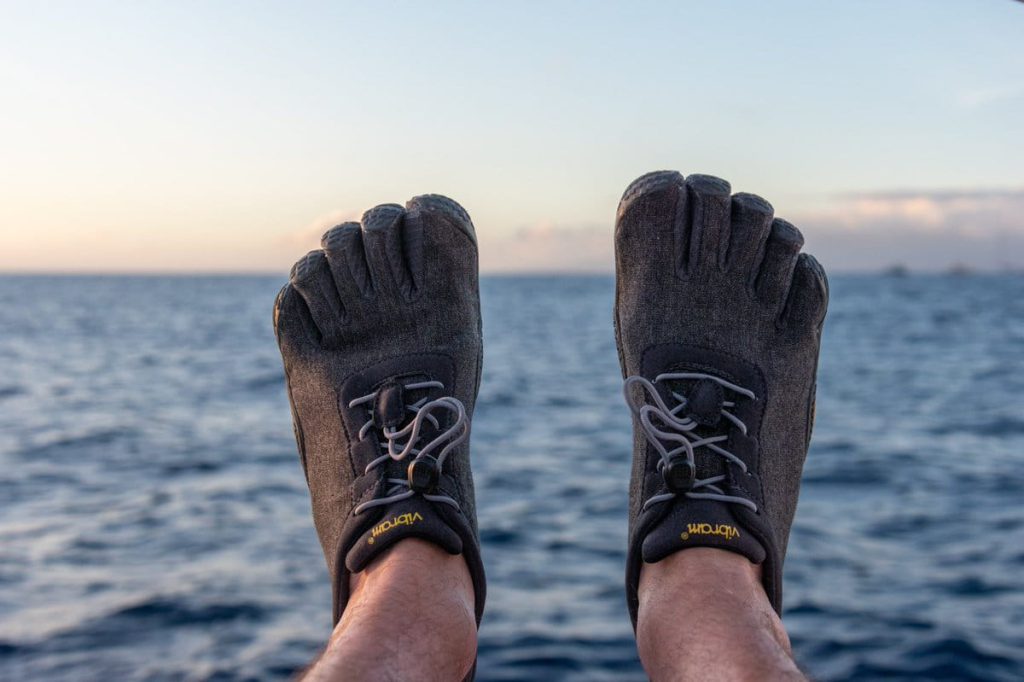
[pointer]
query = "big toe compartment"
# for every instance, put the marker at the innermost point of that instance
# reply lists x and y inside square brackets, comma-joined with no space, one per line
[650,226]
[440,242]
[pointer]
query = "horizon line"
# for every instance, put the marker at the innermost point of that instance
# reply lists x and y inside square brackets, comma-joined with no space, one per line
[895,269]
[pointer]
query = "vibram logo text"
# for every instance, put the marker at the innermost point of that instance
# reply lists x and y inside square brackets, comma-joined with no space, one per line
[406,519]
[723,529]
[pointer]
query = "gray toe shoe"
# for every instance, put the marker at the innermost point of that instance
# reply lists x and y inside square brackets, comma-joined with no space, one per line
[718,320]
[379,331]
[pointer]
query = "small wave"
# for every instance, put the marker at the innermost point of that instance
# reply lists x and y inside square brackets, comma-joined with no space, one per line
[807,609]
[200,466]
[903,525]
[170,612]
[999,427]
[137,621]
[265,381]
[957,658]
[67,444]
[9,649]
[972,586]
[848,473]
[10,391]
[495,400]
[497,536]
[833,447]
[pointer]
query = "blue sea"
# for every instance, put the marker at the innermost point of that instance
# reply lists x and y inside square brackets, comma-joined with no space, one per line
[154,521]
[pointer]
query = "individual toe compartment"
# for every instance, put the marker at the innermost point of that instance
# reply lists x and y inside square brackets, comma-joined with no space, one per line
[651,226]
[343,246]
[311,278]
[776,271]
[808,294]
[707,230]
[382,233]
[440,241]
[750,223]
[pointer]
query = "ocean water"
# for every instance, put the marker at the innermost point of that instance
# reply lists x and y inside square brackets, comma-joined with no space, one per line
[154,522]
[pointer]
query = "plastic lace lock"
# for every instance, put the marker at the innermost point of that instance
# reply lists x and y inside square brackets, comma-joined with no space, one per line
[679,474]
[424,474]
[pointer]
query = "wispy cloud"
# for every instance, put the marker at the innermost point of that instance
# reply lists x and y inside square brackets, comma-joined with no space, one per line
[981,228]
[547,247]
[967,212]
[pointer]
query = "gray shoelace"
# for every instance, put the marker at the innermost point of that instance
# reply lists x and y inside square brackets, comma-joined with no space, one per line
[679,431]
[400,443]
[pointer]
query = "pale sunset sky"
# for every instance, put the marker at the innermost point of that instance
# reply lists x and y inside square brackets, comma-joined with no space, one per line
[226,136]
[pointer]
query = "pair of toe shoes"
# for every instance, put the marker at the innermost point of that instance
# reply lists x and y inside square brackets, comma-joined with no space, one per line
[718,320]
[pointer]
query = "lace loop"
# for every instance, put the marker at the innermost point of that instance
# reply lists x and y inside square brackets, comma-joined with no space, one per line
[400,443]
[673,435]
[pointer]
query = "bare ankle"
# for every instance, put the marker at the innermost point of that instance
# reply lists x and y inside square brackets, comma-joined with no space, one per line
[410,615]
[702,613]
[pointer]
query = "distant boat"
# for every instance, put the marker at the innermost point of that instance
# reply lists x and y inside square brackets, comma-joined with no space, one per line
[899,270]
[959,270]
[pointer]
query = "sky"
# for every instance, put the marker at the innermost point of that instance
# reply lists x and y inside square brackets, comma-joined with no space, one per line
[227,136]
